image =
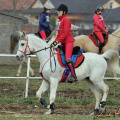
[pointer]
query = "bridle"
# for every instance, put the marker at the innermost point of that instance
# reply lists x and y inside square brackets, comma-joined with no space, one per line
[27,46]
[73,27]
[51,54]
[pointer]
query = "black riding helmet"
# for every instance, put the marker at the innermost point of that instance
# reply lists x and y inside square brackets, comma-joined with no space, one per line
[63,8]
[100,8]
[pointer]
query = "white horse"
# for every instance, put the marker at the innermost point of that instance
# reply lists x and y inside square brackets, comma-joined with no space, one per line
[15,37]
[92,69]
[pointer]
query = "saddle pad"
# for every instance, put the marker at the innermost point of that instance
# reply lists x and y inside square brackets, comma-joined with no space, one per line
[76,59]
[95,40]
[64,77]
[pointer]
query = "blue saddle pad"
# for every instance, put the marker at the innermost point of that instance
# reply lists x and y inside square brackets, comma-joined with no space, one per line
[73,57]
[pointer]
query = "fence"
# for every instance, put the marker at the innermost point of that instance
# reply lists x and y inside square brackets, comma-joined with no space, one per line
[27,77]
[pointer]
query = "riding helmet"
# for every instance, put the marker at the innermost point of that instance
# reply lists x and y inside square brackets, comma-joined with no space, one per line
[47,7]
[100,8]
[63,8]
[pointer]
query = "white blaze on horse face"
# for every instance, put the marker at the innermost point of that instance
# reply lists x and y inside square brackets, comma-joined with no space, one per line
[21,49]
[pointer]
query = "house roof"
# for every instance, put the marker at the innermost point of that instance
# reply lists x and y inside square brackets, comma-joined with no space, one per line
[12,15]
[19,4]
[74,6]
[114,15]
[109,15]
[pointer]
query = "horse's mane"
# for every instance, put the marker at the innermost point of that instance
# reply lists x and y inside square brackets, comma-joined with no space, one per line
[14,38]
[116,32]
[54,32]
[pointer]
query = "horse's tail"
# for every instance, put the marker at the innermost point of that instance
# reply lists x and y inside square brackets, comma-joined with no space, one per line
[14,40]
[112,58]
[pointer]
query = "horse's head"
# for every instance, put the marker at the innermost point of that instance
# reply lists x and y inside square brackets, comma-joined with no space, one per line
[23,47]
[74,28]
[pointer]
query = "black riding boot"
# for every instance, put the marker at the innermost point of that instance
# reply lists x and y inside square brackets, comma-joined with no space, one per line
[100,47]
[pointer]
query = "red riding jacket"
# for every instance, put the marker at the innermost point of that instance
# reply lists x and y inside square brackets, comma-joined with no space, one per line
[64,30]
[99,25]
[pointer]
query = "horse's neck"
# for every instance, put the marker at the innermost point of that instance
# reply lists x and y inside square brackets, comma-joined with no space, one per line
[117,32]
[54,35]
[114,37]
[39,44]
[51,40]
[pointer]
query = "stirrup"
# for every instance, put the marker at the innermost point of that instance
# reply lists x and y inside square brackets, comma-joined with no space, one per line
[71,79]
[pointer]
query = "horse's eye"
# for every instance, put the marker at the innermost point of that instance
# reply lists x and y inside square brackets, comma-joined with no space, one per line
[22,44]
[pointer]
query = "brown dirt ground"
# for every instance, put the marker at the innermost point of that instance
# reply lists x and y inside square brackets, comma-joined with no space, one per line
[59,109]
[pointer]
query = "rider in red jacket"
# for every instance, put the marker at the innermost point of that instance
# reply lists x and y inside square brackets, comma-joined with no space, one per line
[65,38]
[99,26]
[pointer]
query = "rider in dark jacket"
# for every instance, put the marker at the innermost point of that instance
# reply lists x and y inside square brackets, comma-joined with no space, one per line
[44,27]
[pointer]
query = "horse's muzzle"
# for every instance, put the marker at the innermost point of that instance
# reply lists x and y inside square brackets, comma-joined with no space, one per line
[19,58]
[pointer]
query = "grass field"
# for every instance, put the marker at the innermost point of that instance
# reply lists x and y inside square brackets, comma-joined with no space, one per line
[73,102]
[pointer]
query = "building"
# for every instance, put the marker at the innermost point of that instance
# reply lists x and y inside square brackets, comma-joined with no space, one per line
[110,16]
[8,24]
[78,10]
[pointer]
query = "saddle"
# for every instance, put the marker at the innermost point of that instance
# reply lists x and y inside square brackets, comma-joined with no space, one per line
[77,59]
[77,56]
[95,40]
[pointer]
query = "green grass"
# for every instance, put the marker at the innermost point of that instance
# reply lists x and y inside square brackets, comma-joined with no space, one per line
[54,117]
[12,92]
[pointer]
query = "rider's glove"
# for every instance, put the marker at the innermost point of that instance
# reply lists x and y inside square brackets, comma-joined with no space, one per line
[54,44]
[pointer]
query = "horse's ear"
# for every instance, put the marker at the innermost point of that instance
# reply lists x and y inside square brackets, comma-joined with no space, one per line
[24,33]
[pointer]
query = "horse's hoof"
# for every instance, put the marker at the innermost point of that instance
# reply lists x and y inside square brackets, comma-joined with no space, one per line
[17,75]
[102,109]
[91,113]
[48,112]
[32,75]
[96,111]
[48,107]
[102,104]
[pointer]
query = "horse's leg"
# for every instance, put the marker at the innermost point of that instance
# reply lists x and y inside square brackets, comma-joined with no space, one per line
[97,94]
[31,70]
[19,69]
[115,75]
[53,89]
[44,87]
[105,88]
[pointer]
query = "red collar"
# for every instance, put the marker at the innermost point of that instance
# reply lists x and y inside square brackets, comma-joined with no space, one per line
[61,17]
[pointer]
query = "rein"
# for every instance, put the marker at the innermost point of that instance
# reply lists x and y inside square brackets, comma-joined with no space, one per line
[54,60]
[38,51]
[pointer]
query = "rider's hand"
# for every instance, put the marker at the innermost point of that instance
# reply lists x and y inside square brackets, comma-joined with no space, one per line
[106,30]
[54,44]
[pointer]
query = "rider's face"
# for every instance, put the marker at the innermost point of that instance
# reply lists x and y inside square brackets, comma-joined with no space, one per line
[48,11]
[60,13]
[100,12]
